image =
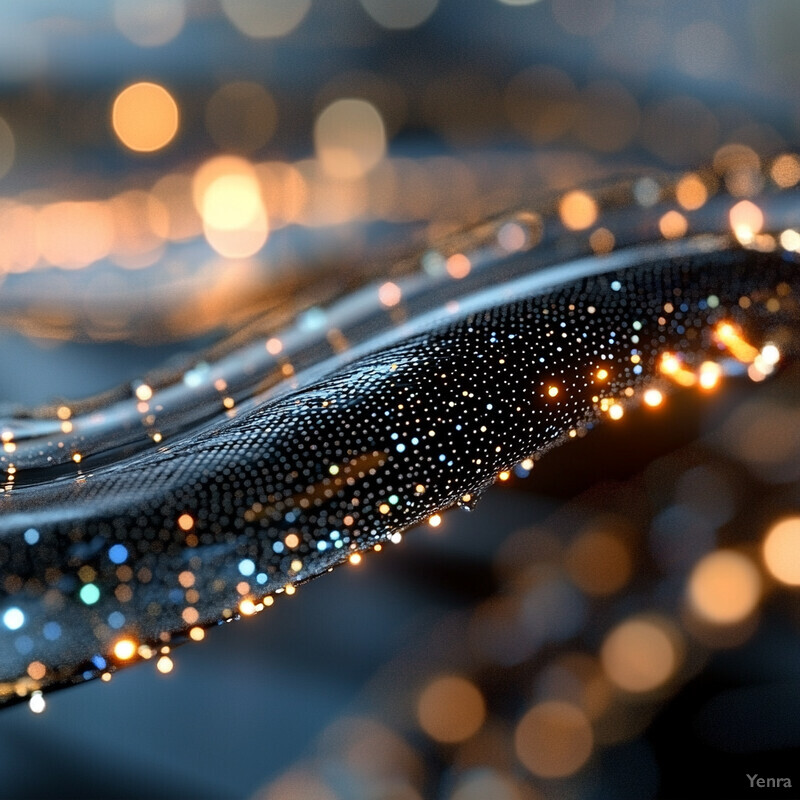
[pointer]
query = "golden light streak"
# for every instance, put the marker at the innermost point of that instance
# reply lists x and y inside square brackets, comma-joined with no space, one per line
[731,338]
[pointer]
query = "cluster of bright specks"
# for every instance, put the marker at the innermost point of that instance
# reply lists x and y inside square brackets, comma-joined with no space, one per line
[122,562]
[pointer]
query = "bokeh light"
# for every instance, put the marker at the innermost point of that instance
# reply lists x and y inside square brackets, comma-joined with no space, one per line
[265,20]
[781,551]
[451,709]
[554,739]
[578,210]
[639,655]
[150,23]
[724,588]
[350,138]
[145,117]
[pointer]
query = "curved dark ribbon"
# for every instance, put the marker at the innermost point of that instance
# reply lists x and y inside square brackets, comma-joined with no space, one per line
[413,422]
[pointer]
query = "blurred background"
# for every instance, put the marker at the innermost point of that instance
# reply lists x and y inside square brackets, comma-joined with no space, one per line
[169,169]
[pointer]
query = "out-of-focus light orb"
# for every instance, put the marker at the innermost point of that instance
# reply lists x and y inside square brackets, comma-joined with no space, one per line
[262,19]
[125,649]
[691,192]
[746,220]
[399,15]
[7,147]
[350,138]
[577,210]
[724,588]
[241,116]
[145,117]
[231,201]
[673,225]
[653,398]
[639,655]
[164,665]
[13,618]
[37,702]
[554,739]
[149,23]
[781,551]
[451,709]
[785,170]
[234,218]
[227,194]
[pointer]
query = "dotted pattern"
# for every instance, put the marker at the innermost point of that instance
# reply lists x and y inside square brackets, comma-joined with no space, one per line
[149,550]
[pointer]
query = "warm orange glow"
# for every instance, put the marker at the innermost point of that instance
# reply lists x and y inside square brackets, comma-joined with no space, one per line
[144,392]
[197,634]
[355,559]
[602,374]
[145,117]
[234,218]
[781,551]
[434,520]
[616,411]
[673,225]
[552,391]
[724,587]
[554,739]
[639,655]
[74,234]
[577,210]
[37,670]
[503,476]
[729,336]
[190,615]
[746,220]
[185,522]
[164,665]
[389,294]
[247,607]
[691,192]
[671,366]
[291,540]
[785,171]
[350,138]
[653,398]
[710,374]
[274,346]
[458,266]
[125,649]
[451,709]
